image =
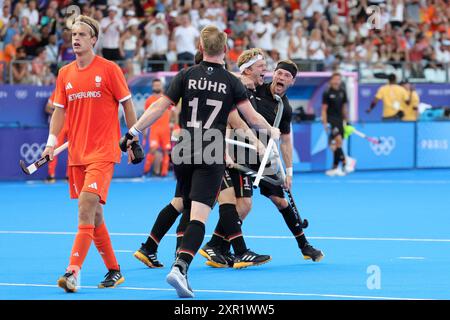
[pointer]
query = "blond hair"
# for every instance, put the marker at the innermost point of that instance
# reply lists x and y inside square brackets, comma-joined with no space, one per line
[247,55]
[93,24]
[213,41]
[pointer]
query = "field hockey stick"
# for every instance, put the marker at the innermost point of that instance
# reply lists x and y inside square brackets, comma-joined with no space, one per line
[252,173]
[304,222]
[270,144]
[352,130]
[39,163]
[240,144]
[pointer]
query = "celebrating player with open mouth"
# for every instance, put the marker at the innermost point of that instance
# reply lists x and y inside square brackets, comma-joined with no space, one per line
[87,96]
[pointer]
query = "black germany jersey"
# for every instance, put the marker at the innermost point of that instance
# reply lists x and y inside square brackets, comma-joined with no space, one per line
[267,106]
[335,100]
[240,154]
[208,93]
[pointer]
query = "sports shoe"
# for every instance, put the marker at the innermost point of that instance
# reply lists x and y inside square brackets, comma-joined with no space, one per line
[249,258]
[177,278]
[335,172]
[50,179]
[214,256]
[148,258]
[68,282]
[229,257]
[350,165]
[309,252]
[112,279]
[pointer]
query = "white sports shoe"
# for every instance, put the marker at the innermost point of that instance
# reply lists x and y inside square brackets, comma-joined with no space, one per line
[179,281]
[335,172]
[350,165]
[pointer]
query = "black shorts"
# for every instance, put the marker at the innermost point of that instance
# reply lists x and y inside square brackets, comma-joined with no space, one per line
[242,184]
[267,189]
[200,182]
[336,128]
[178,193]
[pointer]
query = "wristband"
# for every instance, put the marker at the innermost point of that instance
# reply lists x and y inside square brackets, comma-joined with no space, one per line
[51,141]
[289,171]
[134,132]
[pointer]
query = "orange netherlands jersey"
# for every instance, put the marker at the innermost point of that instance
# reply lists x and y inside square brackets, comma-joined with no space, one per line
[91,98]
[162,122]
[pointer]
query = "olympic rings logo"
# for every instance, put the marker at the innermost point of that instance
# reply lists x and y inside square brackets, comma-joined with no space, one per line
[385,147]
[31,152]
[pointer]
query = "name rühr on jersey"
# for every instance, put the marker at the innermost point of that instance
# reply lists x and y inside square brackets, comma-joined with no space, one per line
[208,85]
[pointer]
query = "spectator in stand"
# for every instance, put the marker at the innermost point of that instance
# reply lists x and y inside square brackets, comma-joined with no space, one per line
[272,59]
[129,43]
[40,69]
[298,45]
[203,19]
[10,30]
[311,6]
[218,14]
[50,18]
[186,38]
[233,55]
[10,50]
[238,26]
[5,15]
[157,47]
[21,72]
[316,49]
[280,39]
[30,41]
[31,12]
[111,27]
[52,51]
[44,36]
[65,50]
[264,31]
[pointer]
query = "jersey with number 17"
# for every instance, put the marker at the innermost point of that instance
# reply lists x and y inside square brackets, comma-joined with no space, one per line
[209,93]
[91,98]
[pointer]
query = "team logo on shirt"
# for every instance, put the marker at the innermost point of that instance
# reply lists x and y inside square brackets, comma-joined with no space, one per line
[98,81]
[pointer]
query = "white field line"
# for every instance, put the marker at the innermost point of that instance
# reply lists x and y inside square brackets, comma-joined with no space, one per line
[247,236]
[237,292]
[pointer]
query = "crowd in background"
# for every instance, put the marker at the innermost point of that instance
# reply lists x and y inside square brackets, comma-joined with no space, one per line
[150,35]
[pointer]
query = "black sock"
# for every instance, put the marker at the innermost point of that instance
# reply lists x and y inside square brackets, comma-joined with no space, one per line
[335,158]
[192,240]
[229,218]
[166,218]
[294,224]
[218,235]
[341,156]
[226,245]
[182,225]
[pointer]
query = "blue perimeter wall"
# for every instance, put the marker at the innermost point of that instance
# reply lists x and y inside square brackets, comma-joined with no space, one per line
[24,130]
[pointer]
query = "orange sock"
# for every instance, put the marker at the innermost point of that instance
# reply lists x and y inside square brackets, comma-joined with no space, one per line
[52,167]
[81,246]
[148,162]
[165,164]
[104,246]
